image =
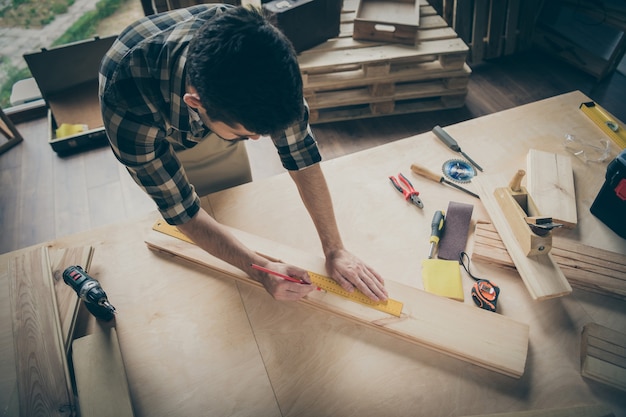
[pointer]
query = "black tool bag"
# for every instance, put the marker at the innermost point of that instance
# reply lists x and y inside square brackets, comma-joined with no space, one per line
[306,23]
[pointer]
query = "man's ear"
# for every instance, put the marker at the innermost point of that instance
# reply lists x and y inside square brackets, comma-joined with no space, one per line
[192,99]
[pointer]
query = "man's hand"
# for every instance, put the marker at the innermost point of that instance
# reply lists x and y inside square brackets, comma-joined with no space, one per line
[350,272]
[281,288]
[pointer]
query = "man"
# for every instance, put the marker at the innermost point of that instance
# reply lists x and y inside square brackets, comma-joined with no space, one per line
[188,85]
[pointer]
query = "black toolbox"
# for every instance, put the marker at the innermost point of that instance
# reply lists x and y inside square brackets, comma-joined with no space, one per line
[67,77]
[306,23]
[610,203]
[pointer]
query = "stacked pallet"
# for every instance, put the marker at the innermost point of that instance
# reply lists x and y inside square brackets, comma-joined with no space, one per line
[348,79]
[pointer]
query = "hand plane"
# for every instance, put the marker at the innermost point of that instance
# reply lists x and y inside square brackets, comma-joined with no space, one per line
[531,229]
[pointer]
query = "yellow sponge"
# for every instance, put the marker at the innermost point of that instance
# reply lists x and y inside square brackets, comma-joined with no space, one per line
[442,278]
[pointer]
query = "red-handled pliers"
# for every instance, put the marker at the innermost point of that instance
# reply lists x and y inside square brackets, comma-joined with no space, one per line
[406,188]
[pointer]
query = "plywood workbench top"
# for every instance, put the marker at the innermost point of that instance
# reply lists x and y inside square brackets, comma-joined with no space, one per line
[197,343]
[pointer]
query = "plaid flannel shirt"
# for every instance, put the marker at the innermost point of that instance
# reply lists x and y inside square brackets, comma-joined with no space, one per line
[142,83]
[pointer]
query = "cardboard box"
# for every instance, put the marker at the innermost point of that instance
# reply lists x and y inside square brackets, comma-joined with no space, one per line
[306,23]
[67,77]
[387,21]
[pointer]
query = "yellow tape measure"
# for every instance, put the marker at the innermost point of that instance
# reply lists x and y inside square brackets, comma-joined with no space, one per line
[327,284]
[612,127]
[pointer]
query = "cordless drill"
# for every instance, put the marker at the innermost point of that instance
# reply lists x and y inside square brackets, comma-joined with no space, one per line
[90,291]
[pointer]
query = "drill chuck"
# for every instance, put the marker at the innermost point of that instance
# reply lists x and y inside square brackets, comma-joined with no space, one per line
[89,290]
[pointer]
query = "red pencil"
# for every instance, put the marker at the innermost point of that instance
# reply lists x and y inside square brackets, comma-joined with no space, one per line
[278,274]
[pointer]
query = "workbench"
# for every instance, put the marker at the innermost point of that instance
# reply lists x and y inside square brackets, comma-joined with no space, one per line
[199,343]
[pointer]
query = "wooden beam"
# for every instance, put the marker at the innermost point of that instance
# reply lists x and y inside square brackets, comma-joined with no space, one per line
[551,184]
[462,331]
[596,410]
[603,355]
[540,273]
[101,384]
[43,381]
[585,267]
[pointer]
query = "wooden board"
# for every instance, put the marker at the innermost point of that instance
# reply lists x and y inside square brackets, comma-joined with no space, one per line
[42,371]
[550,182]
[596,410]
[482,338]
[603,355]
[101,384]
[585,267]
[540,273]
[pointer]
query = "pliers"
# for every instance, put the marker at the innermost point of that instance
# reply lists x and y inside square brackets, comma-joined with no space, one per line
[406,188]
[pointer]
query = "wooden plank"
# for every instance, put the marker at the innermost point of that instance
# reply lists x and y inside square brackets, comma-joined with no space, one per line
[479,30]
[596,410]
[495,32]
[42,371]
[101,384]
[331,60]
[584,266]
[510,30]
[67,300]
[479,337]
[334,114]
[540,273]
[376,94]
[602,355]
[550,182]
[393,72]
[462,18]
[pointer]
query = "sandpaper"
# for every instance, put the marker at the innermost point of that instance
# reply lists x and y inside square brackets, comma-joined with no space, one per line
[454,238]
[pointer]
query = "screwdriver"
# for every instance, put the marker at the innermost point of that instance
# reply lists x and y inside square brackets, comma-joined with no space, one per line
[436,227]
[438,178]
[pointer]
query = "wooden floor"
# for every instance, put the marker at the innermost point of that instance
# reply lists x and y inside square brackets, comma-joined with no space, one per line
[44,196]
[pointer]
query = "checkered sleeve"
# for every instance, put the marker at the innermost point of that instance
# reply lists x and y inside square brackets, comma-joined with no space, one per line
[135,130]
[296,146]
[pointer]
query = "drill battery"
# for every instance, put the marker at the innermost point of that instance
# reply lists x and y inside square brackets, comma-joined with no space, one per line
[610,203]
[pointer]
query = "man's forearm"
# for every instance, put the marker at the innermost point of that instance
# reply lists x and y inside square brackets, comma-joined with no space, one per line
[316,197]
[216,239]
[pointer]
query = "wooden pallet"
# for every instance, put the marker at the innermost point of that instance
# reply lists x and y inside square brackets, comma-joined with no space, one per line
[345,78]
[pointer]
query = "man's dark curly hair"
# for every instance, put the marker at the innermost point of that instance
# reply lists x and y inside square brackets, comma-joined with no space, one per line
[246,71]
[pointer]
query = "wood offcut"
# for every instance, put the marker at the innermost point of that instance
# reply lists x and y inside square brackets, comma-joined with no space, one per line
[43,380]
[603,355]
[551,185]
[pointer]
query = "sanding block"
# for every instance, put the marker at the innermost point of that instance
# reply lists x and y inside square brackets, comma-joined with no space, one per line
[454,238]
